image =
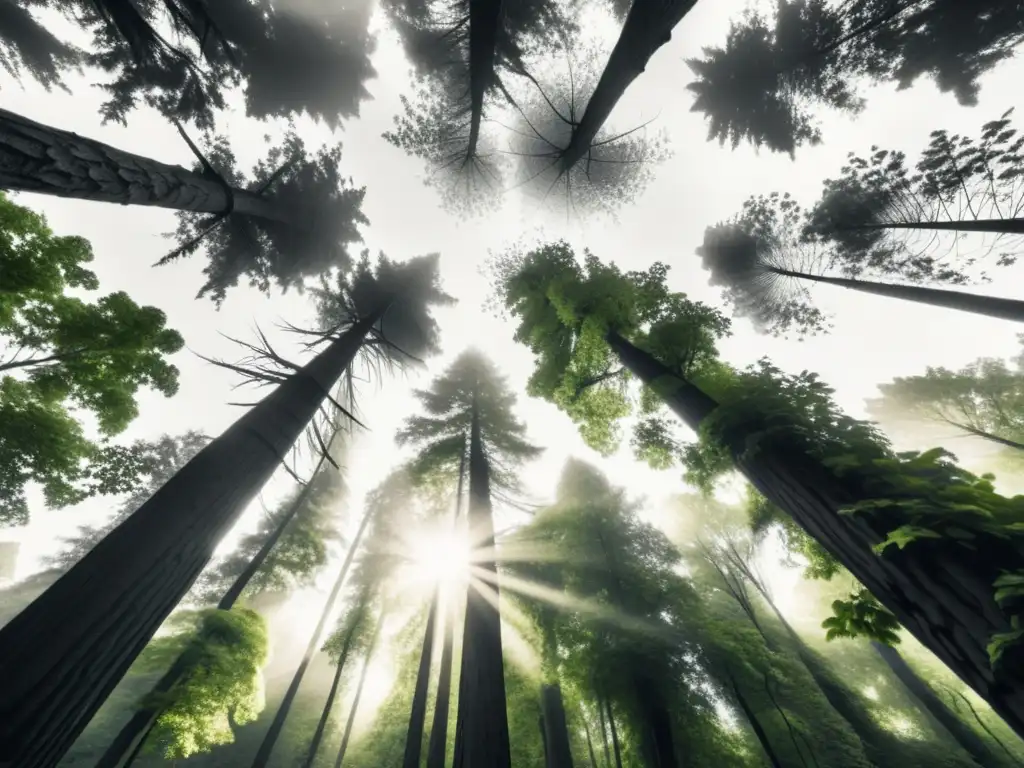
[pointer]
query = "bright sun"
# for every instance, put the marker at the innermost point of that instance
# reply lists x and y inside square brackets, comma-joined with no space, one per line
[440,557]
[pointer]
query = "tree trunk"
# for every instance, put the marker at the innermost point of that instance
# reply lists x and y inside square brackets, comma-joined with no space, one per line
[988,436]
[267,746]
[755,724]
[39,158]
[931,704]
[359,692]
[647,27]
[556,730]
[484,25]
[418,714]
[134,733]
[1002,226]
[481,730]
[940,592]
[62,655]
[604,733]
[615,734]
[590,743]
[318,734]
[658,719]
[438,747]
[989,306]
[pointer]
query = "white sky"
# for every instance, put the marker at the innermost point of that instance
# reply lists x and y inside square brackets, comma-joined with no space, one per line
[874,339]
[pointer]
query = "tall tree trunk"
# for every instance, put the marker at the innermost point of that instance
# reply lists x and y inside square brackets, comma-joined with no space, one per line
[988,436]
[1003,226]
[647,27]
[615,734]
[590,743]
[267,746]
[484,26]
[556,730]
[989,306]
[39,158]
[931,704]
[755,724]
[438,747]
[940,592]
[62,655]
[134,733]
[604,733]
[321,726]
[481,729]
[658,719]
[418,713]
[359,691]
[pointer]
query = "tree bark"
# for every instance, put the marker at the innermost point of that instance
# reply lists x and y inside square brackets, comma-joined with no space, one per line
[62,655]
[755,724]
[647,27]
[989,306]
[438,747]
[558,750]
[941,592]
[1002,226]
[318,734]
[932,705]
[267,746]
[39,158]
[615,734]
[137,729]
[484,24]
[359,692]
[418,713]
[481,729]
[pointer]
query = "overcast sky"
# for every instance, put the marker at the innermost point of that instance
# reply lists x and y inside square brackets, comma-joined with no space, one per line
[873,340]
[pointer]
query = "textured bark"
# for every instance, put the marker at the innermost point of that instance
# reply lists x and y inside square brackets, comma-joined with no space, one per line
[481,730]
[437,749]
[359,692]
[936,708]
[62,655]
[755,724]
[418,713]
[136,730]
[989,306]
[318,734]
[939,592]
[558,752]
[39,158]
[647,27]
[267,746]
[1002,226]
[484,24]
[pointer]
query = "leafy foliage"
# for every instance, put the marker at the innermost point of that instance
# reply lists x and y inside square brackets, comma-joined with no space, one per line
[223,686]
[565,312]
[60,352]
[321,211]
[860,615]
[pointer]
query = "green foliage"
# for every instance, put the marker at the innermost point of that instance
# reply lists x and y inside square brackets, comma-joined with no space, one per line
[565,312]
[860,615]
[223,684]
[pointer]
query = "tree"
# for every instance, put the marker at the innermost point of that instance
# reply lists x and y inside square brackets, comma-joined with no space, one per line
[762,261]
[878,213]
[27,45]
[982,399]
[300,230]
[154,556]
[59,351]
[767,81]
[470,398]
[574,323]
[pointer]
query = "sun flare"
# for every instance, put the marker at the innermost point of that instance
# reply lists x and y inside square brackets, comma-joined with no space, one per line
[440,557]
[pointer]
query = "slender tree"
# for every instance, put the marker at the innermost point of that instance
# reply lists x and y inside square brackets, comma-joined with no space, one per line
[359,690]
[153,557]
[655,335]
[470,398]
